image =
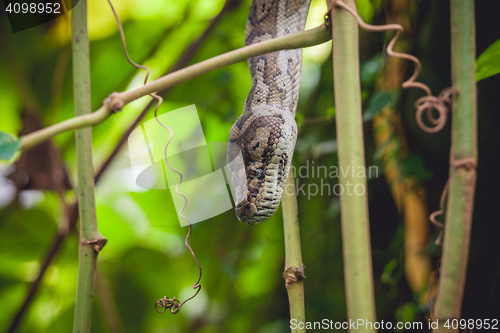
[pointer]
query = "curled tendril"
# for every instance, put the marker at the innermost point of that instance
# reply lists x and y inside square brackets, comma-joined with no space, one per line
[441,104]
[165,303]
[427,103]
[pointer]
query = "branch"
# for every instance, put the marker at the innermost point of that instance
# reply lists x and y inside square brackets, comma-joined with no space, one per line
[296,40]
[91,241]
[117,101]
[90,119]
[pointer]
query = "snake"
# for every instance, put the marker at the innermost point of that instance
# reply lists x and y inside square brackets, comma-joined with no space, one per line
[262,140]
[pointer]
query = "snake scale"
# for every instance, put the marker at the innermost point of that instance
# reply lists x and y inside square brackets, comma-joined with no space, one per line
[266,132]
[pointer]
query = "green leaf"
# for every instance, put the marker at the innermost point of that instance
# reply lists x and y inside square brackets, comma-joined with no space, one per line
[378,101]
[9,145]
[488,63]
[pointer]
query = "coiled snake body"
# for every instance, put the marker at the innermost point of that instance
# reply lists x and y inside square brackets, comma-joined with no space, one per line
[266,132]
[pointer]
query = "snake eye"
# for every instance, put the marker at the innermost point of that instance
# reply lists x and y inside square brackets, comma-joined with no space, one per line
[259,173]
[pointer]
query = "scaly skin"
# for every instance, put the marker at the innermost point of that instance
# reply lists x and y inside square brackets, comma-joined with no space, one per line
[266,132]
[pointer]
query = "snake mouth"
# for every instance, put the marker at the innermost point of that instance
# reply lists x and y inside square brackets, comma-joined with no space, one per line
[246,211]
[252,211]
[249,214]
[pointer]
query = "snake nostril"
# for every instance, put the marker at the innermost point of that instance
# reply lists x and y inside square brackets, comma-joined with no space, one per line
[259,173]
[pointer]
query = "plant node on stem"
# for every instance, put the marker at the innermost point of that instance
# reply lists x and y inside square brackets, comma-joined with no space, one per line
[293,274]
[98,244]
[113,102]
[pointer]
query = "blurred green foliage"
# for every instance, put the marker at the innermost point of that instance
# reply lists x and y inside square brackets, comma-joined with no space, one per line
[145,258]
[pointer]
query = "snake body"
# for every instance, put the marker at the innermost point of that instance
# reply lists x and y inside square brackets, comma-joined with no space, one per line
[266,132]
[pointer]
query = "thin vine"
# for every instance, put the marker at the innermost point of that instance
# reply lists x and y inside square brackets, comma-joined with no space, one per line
[172,303]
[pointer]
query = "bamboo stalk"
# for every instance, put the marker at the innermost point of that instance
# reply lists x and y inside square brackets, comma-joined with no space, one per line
[294,268]
[351,154]
[91,241]
[463,157]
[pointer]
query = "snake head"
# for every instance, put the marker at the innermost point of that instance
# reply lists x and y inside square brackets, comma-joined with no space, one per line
[259,157]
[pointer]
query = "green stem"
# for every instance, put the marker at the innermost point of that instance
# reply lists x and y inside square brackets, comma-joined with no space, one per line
[463,157]
[91,241]
[293,41]
[351,154]
[294,268]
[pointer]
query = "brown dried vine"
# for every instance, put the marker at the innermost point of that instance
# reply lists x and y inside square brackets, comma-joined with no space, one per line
[427,103]
[165,302]
[173,304]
